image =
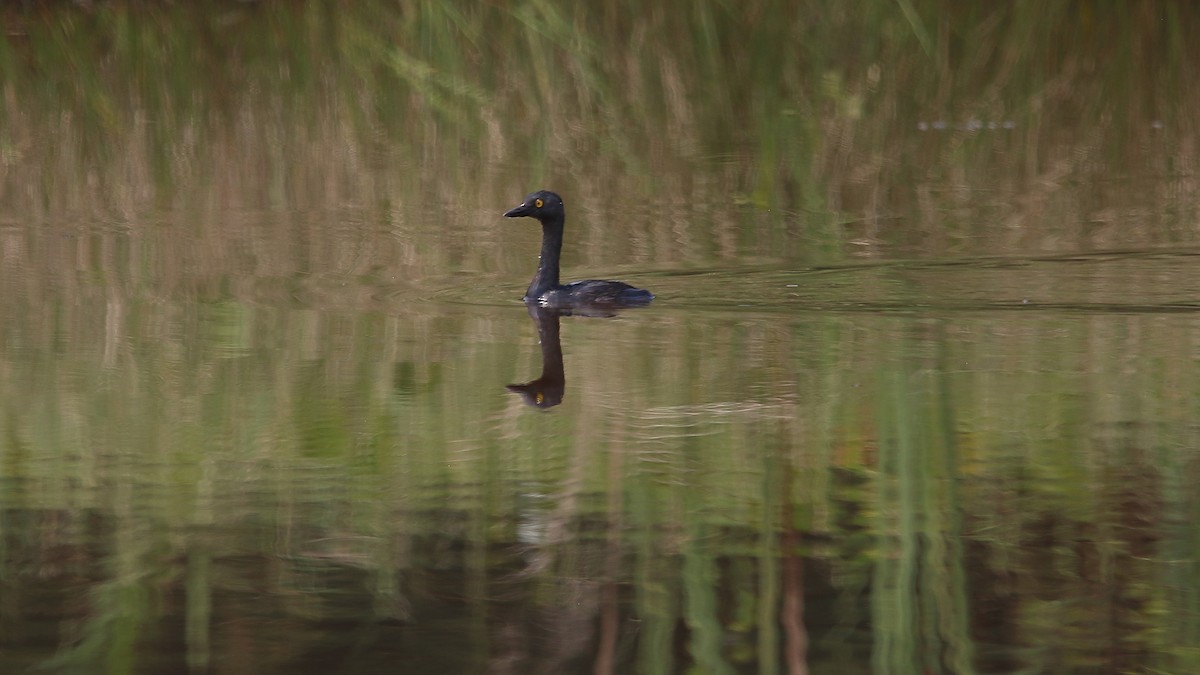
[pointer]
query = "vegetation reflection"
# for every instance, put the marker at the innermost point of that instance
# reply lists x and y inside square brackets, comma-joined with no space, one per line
[256,307]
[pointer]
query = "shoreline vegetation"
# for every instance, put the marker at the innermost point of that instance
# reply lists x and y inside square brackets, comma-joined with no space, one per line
[795,108]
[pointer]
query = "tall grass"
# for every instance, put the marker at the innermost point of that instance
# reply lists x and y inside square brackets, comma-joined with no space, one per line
[796,93]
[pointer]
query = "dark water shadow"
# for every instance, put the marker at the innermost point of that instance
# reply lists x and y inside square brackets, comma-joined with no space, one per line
[546,391]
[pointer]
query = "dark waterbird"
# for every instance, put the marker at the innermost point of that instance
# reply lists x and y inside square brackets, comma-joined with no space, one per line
[545,290]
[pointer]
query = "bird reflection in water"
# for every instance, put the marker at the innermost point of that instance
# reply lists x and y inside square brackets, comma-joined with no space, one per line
[547,390]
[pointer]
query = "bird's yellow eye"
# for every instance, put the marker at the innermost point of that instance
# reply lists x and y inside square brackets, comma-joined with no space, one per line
[539,397]
[538,203]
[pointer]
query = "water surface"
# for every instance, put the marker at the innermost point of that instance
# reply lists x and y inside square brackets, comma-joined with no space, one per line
[912,397]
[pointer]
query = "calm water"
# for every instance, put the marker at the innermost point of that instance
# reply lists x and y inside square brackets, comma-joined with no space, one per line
[918,393]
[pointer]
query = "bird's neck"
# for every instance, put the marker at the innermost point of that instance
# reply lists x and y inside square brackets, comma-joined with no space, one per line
[547,271]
